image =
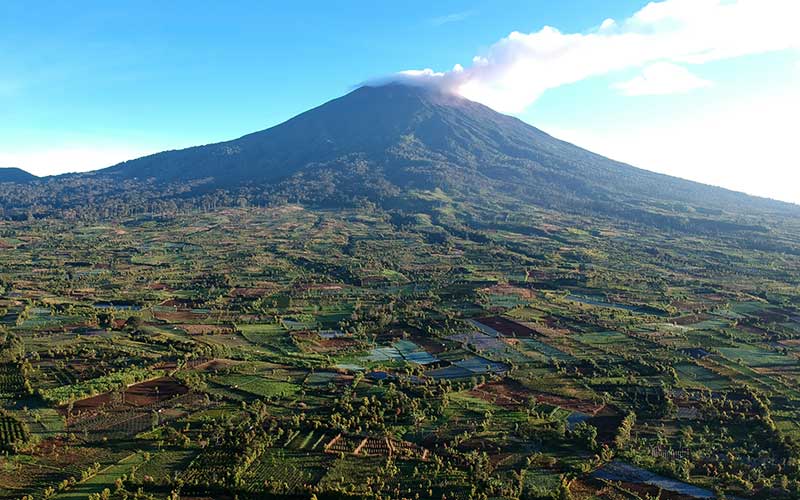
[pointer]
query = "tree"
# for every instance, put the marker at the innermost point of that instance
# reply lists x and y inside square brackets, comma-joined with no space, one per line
[624,431]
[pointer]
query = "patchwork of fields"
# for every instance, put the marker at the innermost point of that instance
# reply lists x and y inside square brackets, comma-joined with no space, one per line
[293,352]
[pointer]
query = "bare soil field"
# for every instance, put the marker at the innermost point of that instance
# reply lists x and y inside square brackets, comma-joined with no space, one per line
[506,393]
[154,391]
[507,327]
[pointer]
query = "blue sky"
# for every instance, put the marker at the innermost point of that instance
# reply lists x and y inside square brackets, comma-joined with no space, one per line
[88,84]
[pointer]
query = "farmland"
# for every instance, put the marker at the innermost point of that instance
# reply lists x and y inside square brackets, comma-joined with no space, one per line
[286,352]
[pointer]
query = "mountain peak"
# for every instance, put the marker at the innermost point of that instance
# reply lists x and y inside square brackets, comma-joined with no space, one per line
[382,142]
[404,88]
[429,94]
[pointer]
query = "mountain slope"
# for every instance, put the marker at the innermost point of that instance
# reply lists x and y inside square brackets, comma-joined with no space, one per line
[420,138]
[15,175]
[386,143]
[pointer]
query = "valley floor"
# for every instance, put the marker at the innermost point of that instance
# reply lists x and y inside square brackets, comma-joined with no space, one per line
[290,353]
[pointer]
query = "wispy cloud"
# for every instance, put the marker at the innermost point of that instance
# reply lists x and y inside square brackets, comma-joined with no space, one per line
[514,72]
[451,18]
[660,79]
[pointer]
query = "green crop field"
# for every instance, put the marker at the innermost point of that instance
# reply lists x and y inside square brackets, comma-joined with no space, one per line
[285,352]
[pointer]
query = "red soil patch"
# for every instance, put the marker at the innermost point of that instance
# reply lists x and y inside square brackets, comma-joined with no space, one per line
[511,394]
[571,404]
[154,391]
[505,393]
[142,394]
[430,344]
[507,327]
[88,404]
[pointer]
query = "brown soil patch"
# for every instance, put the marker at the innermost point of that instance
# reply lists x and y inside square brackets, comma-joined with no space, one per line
[509,290]
[571,404]
[181,303]
[216,364]
[480,444]
[430,344]
[179,316]
[142,394]
[88,404]
[507,327]
[506,393]
[322,287]
[510,394]
[205,329]
[687,305]
[499,458]
[315,343]
[154,391]
[771,316]
[691,319]
[252,292]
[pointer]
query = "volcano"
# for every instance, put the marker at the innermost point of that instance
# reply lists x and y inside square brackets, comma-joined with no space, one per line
[380,143]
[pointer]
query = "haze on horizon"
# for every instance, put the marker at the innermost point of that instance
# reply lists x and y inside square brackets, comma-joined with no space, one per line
[701,89]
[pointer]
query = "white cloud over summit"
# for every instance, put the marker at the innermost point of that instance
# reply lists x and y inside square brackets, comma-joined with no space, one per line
[662,38]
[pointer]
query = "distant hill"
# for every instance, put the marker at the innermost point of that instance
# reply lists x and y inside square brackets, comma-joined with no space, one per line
[385,143]
[15,175]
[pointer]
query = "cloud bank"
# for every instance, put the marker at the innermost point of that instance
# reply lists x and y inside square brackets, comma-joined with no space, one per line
[662,78]
[662,38]
[742,144]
